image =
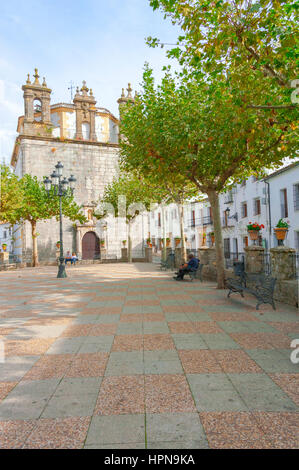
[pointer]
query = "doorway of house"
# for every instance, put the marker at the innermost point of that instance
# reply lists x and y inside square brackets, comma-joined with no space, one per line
[90,246]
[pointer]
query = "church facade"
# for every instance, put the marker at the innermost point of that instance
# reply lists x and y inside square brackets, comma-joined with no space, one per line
[84,138]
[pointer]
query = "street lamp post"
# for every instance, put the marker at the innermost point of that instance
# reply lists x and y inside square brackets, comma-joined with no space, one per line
[60,187]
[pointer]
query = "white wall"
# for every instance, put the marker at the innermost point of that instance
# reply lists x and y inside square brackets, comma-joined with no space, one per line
[287,180]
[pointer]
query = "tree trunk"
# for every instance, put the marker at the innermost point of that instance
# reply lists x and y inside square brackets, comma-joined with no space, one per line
[183,241]
[164,255]
[34,244]
[129,243]
[214,201]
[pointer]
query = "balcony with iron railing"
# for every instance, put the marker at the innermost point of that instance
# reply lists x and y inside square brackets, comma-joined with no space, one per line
[200,221]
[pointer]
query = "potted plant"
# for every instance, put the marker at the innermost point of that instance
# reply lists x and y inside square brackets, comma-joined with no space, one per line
[148,241]
[167,241]
[4,246]
[124,242]
[280,230]
[212,235]
[204,237]
[177,241]
[58,245]
[102,243]
[254,229]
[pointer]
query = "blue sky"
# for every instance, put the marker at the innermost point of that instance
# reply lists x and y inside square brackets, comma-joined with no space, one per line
[100,41]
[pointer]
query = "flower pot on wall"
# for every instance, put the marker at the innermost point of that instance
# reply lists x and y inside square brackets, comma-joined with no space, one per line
[280,233]
[4,246]
[253,234]
[177,241]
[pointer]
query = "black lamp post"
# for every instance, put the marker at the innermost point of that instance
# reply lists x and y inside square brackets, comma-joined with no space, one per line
[61,187]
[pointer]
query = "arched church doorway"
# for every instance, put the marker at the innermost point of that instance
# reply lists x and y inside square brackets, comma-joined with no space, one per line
[90,246]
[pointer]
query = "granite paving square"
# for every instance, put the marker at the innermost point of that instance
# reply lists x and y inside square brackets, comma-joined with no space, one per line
[121,395]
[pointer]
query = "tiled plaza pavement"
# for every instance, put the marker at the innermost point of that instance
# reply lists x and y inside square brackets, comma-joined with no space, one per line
[122,356]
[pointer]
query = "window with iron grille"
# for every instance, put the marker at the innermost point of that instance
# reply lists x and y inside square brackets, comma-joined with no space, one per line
[257,206]
[244,209]
[296,196]
[284,203]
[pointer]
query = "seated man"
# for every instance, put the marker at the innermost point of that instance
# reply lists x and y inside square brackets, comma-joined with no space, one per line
[186,268]
[68,257]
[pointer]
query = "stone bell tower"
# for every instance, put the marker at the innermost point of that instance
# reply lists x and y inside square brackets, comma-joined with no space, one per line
[123,100]
[85,114]
[37,117]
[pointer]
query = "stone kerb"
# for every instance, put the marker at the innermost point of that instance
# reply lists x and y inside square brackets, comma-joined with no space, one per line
[254,259]
[283,263]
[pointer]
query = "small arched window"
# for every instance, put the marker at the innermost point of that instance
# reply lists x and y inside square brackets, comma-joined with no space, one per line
[85,130]
[37,109]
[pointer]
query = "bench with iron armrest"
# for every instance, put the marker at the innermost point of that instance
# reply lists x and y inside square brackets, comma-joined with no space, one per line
[169,263]
[259,285]
[193,274]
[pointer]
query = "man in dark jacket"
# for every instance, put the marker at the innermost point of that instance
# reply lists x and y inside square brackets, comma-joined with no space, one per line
[186,268]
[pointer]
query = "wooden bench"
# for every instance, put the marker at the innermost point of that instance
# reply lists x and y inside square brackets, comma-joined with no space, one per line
[259,285]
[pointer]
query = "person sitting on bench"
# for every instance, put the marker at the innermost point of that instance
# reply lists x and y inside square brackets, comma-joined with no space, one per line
[68,257]
[186,268]
[74,258]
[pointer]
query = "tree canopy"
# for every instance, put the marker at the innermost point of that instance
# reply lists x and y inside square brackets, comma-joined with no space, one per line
[204,133]
[217,35]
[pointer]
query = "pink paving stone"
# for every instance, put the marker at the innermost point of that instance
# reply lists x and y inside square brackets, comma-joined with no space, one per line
[49,367]
[233,430]
[181,308]
[128,343]
[261,340]
[168,394]
[50,321]
[5,388]
[207,327]
[103,329]
[157,342]
[210,301]
[88,365]
[153,317]
[131,318]
[150,303]
[289,383]
[28,347]
[14,433]
[232,316]
[174,296]
[282,428]
[76,331]
[285,327]
[6,331]
[181,327]
[121,395]
[235,361]
[105,298]
[67,433]
[102,311]
[199,362]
